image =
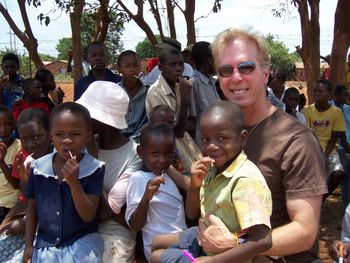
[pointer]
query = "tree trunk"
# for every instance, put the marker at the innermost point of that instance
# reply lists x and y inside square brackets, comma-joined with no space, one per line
[310,50]
[341,42]
[171,18]
[189,16]
[102,21]
[26,36]
[139,19]
[76,37]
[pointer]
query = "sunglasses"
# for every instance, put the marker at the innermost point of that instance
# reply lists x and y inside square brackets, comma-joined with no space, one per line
[245,67]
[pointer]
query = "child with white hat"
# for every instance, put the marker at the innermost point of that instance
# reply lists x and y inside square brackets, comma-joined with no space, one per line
[108,104]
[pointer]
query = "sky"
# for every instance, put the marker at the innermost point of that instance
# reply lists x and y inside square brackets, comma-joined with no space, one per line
[234,13]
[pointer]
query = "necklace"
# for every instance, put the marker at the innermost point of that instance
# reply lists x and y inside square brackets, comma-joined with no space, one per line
[263,118]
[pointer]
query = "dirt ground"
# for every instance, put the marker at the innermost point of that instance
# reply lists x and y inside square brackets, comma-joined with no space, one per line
[330,227]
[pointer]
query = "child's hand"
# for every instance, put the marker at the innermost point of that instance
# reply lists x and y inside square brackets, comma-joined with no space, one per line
[3,150]
[70,171]
[23,167]
[27,254]
[3,81]
[16,227]
[60,95]
[152,187]
[334,251]
[199,170]
[185,88]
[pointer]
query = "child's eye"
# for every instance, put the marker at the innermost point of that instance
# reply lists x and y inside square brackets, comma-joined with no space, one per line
[204,140]
[221,138]
[169,155]
[155,154]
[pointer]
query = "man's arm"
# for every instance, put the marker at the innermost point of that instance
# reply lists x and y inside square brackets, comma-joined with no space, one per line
[305,216]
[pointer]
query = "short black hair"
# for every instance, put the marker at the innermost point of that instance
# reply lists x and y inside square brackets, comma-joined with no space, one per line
[291,91]
[159,108]
[228,108]
[165,52]
[96,43]
[11,57]
[73,108]
[127,53]
[158,129]
[4,109]
[42,74]
[339,89]
[36,115]
[201,52]
[326,83]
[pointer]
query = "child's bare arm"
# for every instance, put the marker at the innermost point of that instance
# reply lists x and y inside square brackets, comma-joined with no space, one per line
[181,181]
[199,170]
[30,228]
[7,170]
[331,144]
[86,205]
[139,218]
[259,240]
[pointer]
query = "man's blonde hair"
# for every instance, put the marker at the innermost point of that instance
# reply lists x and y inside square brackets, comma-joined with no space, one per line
[230,34]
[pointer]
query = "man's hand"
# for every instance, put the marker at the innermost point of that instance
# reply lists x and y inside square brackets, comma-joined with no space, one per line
[214,236]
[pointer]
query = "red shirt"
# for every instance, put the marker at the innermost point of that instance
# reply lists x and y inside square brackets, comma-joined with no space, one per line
[21,105]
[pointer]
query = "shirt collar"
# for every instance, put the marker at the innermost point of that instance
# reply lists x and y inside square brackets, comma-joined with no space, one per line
[165,86]
[200,76]
[44,166]
[235,165]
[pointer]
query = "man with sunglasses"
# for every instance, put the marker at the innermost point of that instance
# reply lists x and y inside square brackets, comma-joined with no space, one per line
[286,152]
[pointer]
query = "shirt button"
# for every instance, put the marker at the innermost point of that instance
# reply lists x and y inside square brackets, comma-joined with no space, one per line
[58,213]
[58,239]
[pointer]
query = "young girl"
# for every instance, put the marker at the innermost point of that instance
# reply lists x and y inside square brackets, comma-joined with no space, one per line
[63,192]
[154,203]
[33,130]
[9,146]
[48,86]
[32,98]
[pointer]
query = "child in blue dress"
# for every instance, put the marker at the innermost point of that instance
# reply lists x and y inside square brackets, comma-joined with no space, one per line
[63,192]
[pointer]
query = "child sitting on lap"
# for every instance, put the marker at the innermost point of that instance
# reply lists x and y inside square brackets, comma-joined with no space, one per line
[226,184]
[154,204]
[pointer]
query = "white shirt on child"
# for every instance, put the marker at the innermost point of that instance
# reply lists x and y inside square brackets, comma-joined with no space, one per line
[166,212]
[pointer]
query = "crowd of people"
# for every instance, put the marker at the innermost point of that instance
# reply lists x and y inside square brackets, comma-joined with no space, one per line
[186,165]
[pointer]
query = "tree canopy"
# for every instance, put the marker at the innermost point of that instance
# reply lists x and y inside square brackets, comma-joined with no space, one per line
[145,48]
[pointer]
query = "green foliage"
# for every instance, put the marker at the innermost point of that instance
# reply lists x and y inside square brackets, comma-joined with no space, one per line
[145,48]
[64,46]
[280,56]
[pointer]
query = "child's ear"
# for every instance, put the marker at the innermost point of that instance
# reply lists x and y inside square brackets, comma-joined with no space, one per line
[243,138]
[139,151]
[50,135]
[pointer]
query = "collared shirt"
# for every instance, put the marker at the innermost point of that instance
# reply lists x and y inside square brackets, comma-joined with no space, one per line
[59,221]
[204,92]
[83,83]
[136,115]
[160,93]
[8,99]
[239,196]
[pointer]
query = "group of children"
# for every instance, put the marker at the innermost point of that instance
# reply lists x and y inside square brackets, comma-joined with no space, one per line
[89,187]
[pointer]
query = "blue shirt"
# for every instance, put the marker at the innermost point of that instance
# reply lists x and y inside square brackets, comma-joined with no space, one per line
[8,99]
[136,115]
[59,222]
[83,83]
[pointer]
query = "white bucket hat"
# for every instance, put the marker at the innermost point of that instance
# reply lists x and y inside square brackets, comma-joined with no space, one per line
[107,102]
